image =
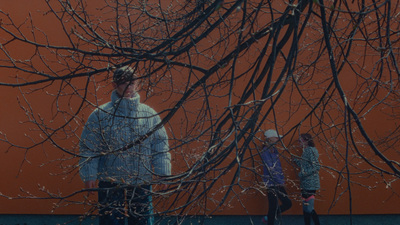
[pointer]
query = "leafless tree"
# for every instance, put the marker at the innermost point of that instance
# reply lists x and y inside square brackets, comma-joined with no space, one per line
[219,71]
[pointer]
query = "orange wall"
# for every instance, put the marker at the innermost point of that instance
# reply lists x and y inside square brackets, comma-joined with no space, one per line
[38,170]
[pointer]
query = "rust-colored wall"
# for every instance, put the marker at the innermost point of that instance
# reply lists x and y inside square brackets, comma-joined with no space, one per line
[37,170]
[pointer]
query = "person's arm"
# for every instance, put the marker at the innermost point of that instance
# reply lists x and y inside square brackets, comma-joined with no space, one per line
[296,159]
[161,158]
[90,184]
[88,146]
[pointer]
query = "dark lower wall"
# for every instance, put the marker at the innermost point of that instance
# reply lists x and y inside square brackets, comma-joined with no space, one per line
[214,220]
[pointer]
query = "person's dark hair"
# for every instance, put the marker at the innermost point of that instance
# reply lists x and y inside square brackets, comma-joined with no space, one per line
[123,74]
[308,139]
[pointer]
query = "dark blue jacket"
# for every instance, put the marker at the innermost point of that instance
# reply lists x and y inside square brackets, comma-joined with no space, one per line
[273,174]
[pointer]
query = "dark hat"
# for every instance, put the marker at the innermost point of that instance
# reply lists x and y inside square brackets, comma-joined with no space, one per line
[123,74]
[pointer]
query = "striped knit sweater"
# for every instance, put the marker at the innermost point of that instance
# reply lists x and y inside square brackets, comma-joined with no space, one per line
[114,126]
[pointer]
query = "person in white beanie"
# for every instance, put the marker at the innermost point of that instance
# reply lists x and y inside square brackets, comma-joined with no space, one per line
[273,178]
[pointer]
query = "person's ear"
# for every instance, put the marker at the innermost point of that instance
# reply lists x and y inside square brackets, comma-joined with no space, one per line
[114,85]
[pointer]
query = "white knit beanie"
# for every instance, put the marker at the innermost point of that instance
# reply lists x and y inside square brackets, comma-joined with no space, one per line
[271,133]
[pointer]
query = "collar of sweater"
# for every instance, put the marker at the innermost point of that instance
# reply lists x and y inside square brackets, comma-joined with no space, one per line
[125,103]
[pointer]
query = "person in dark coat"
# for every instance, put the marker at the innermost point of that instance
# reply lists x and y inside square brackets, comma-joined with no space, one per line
[309,177]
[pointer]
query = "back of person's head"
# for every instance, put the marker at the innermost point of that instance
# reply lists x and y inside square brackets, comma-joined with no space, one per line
[308,139]
[123,74]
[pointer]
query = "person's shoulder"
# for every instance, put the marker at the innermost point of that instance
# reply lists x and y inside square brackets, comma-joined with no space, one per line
[144,108]
[264,148]
[270,149]
[310,148]
[104,108]
[313,150]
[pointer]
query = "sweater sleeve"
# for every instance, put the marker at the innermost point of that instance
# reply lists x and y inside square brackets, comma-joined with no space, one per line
[161,159]
[89,146]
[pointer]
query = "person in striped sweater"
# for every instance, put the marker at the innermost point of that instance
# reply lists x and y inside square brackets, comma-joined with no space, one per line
[124,147]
